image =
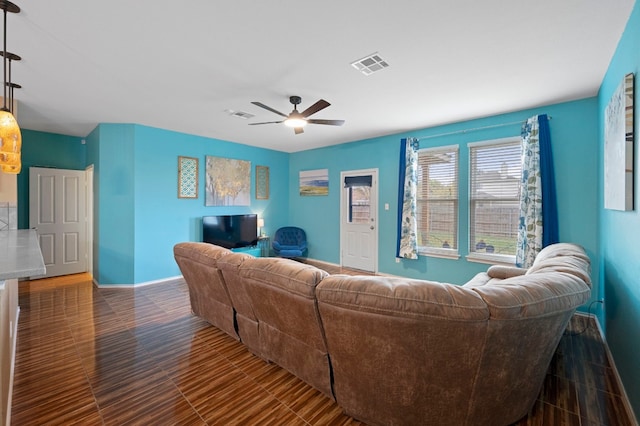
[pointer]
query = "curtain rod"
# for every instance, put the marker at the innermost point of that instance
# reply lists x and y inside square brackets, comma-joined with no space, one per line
[474,129]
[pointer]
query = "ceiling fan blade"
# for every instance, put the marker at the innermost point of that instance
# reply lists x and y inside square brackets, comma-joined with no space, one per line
[261,105]
[265,122]
[329,122]
[318,106]
[298,130]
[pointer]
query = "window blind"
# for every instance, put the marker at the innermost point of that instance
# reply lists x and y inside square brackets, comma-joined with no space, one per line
[437,198]
[495,173]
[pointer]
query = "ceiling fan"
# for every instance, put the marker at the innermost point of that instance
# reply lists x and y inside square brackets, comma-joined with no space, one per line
[298,120]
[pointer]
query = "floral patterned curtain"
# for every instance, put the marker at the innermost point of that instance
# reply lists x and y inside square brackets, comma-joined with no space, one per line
[537,179]
[407,246]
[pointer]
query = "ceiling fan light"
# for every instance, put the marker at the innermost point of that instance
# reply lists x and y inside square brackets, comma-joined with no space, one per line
[295,122]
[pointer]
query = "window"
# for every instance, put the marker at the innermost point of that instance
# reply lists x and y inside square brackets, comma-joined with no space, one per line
[359,198]
[495,172]
[437,201]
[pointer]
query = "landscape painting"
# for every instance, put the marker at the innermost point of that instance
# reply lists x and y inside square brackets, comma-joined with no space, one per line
[228,182]
[314,182]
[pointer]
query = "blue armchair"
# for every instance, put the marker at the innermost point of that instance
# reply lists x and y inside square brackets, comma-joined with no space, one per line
[290,241]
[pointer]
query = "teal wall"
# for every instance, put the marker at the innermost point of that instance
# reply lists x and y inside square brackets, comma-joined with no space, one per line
[45,150]
[140,215]
[116,209]
[574,139]
[620,251]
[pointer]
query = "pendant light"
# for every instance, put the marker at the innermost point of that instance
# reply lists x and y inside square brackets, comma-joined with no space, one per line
[10,137]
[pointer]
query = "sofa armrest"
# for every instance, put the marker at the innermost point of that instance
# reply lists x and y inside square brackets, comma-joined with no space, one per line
[504,272]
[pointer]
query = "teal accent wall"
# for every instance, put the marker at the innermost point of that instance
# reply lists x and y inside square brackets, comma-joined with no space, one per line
[620,251]
[116,209]
[45,150]
[574,138]
[141,218]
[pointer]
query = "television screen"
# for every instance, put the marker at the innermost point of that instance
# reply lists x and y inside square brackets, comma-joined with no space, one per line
[230,231]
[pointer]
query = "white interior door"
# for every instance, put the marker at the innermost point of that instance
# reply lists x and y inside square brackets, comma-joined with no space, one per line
[359,221]
[57,210]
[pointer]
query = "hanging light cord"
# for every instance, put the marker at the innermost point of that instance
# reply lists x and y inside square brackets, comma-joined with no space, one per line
[4,60]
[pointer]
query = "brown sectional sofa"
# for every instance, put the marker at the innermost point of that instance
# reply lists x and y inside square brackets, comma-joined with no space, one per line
[399,351]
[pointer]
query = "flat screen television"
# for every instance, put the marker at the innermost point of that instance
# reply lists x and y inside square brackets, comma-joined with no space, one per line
[230,231]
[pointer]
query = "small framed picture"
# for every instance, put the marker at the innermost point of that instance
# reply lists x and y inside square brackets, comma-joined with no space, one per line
[262,183]
[187,177]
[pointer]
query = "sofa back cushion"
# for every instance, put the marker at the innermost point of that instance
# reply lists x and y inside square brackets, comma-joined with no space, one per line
[534,295]
[563,257]
[230,267]
[529,313]
[283,295]
[198,263]
[403,351]
[208,293]
[402,297]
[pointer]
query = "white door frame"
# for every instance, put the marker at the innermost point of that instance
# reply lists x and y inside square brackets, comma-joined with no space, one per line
[89,213]
[374,211]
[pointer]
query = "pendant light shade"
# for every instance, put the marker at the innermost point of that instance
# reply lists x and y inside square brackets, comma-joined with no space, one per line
[10,143]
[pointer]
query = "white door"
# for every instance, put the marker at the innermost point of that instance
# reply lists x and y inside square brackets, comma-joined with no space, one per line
[57,211]
[359,221]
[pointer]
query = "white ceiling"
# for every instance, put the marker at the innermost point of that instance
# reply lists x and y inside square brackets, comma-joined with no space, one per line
[180,65]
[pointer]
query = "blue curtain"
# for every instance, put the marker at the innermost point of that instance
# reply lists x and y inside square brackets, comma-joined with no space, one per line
[538,225]
[549,202]
[407,245]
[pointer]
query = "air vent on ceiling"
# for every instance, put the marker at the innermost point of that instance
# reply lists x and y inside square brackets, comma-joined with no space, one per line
[239,114]
[370,64]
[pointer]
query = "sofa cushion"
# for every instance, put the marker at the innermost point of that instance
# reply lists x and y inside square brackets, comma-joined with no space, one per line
[290,332]
[502,272]
[402,297]
[534,295]
[286,274]
[563,257]
[200,252]
[208,293]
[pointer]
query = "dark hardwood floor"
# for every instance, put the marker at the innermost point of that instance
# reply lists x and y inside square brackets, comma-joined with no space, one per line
[93,356]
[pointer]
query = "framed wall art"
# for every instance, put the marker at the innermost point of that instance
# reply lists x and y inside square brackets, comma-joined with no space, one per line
[262,183]
[314,182]
[618,147]
[187,177]
[228,182]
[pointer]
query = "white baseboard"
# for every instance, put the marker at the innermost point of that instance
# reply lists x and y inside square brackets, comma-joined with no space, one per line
[625,398]
[138,285]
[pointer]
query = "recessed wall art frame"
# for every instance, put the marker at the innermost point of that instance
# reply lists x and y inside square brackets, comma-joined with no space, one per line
[187,177]
[262,183]
[314,182]
[228,182]
[618,147]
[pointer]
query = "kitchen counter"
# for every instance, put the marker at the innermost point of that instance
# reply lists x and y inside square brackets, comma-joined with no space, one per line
[20,254]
